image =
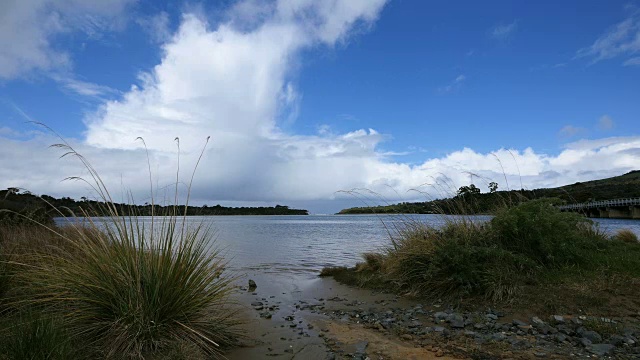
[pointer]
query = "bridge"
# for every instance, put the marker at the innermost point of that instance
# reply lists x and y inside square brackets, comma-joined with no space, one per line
[615,209]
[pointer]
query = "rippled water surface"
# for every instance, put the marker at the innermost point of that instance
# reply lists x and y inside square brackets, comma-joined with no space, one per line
[308,243]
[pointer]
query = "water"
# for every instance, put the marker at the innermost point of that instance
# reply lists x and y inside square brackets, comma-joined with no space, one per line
[306,244]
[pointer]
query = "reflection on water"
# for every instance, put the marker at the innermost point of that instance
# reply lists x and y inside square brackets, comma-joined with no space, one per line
[305,244]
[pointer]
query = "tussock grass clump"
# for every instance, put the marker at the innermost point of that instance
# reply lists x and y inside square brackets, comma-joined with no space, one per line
[125,287]
[527,244]
[125,292]
[627,236]
[457,259]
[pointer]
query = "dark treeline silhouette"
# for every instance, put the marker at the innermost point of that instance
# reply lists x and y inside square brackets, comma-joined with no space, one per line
[42,208]
[469,199]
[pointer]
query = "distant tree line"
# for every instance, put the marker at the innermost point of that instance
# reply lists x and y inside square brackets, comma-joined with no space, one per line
[23,205]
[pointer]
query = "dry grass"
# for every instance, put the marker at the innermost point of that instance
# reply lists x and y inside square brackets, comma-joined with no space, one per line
[626,235]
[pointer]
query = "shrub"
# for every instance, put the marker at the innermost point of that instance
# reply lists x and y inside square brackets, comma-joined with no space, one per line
[539,231]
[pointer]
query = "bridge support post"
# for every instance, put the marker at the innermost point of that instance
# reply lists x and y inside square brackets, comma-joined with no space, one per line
[635,212]
[603,212]
[619,212]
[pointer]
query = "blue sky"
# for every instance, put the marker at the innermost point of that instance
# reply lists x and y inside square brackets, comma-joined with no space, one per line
[303,99]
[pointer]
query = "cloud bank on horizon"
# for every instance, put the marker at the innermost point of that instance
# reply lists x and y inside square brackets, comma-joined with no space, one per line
[235,82]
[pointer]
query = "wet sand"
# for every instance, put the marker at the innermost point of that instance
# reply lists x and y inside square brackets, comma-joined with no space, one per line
[299,328]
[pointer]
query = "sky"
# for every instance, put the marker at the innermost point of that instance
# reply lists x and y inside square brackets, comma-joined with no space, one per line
[316,104]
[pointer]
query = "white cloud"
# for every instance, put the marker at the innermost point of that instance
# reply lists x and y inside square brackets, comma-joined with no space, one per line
[27,28]
[633,62]
[157,26]
[504,31]
[84,88]
[453,85]
[622,40]
[605,122]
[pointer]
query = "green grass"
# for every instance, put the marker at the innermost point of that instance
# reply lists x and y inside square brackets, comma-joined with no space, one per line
[530,244]
[35,336]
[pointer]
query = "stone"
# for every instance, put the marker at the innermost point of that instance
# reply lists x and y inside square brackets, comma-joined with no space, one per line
[252,285]
[498,337]
[560,338]
[540,355]
[593,336]
[415,324]
[439,353]
[601,349]
[440,316]
[565,330]
[616,340]
[585,342]
[517,322]
[491,317]
[457,323]
[557,319]
[525,328]
[406,337]
[537,322]
[479,326]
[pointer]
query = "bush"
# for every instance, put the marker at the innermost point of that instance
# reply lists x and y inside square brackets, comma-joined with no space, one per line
[539,231]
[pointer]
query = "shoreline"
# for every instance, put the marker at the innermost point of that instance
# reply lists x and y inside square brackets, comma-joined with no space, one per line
[297,317]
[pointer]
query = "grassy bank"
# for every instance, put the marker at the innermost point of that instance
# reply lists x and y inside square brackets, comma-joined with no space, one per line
[523,250]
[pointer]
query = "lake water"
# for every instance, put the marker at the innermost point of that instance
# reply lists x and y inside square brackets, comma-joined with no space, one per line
[306,244]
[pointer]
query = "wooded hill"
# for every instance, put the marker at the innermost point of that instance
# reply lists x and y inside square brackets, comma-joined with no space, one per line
[469,200]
